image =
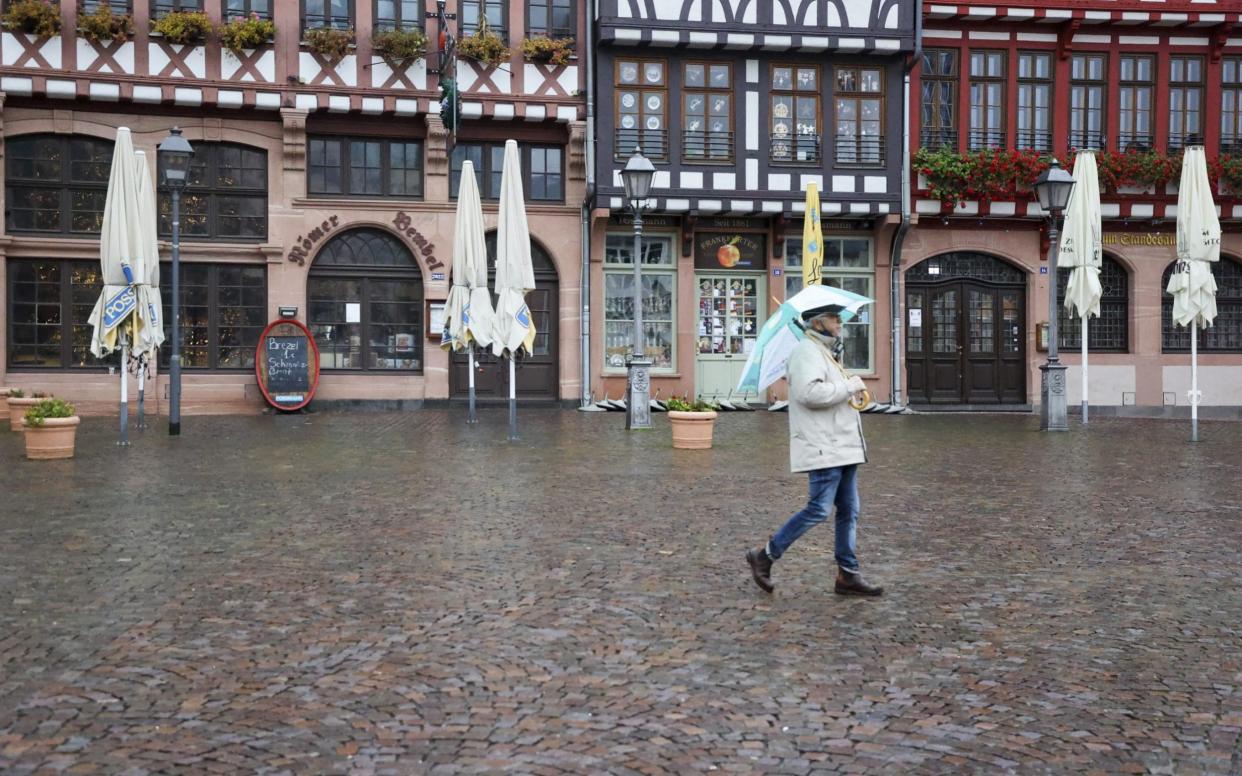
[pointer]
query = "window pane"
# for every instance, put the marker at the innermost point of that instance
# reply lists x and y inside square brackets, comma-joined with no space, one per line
[325,166]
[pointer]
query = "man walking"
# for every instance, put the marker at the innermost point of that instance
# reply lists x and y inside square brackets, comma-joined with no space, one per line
[826,441]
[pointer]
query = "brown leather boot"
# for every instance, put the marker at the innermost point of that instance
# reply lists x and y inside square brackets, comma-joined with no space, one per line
[852,583]
[761,568]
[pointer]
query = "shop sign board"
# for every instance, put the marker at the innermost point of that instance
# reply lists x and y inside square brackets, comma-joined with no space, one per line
[1161,239]
[287,364]
[741,251]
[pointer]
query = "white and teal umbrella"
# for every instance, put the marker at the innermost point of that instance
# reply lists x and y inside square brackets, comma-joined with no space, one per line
[781,332]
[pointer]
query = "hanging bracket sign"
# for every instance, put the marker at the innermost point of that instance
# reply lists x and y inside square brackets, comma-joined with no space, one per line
[287,364]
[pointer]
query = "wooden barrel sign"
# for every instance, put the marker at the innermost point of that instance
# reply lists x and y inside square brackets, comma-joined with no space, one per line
[287,364]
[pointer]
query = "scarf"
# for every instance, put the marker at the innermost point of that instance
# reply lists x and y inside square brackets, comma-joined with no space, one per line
[835,345]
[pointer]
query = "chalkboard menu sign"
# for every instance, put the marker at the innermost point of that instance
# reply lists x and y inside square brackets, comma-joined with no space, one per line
[287,364]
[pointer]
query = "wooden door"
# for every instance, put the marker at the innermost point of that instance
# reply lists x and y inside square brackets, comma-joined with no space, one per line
[536,374]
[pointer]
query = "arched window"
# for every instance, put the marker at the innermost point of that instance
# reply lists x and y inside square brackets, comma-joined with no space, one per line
[56,184]
[226,196]
[1109,333]
[1225,333]
[365,295]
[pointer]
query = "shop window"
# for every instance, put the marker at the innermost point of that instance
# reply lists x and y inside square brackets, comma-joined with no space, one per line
[1107,333]
[552,18]
[1185,102]
[49,308]
[707,115]
[849,263]
[1231,106]
[1035,101]
[659,300]
[365,297]
[56,184]
[859,100]
[987,99]
[223,312]
[225,197]
[939,86]
[1088,84]
[398,14]
[795,135]
[543,170]
[642,109]
[1135,102]
[336,14]
[494,12]
[364,167]
[242,9]
[1225,333]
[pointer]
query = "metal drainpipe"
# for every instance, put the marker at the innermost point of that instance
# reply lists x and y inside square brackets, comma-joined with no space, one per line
[587,204]
[900,237]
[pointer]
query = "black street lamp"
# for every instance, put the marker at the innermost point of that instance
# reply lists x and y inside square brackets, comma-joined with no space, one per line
[174,157]
[637,177]
[1053,189]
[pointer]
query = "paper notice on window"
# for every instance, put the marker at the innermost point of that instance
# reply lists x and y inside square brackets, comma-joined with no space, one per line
[916,318]
[353,312]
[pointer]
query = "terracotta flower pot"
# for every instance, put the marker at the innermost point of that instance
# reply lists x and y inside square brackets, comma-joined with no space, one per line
[55,438]
[692,430]
[17,411]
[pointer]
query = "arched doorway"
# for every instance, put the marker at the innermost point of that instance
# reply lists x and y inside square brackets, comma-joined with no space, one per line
[537,374]
[365,304]
[966,340]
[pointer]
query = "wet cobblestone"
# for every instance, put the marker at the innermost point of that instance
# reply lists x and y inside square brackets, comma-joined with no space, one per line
[403,594]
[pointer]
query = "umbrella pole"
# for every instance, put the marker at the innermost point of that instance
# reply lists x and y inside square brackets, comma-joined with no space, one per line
[124,441]
[1084,370]
[513,435]
[473,418]
[1194,381]
[142,389]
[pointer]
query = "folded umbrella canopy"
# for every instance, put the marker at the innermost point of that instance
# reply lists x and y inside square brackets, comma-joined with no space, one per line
[812,240]
[469,319]
[149,337]
[1081,251]
[515,276]
[1198,244]
[770,356]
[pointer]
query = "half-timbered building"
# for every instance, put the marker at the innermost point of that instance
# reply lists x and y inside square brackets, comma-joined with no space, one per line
[1136,80]
[323,181]
[741,105]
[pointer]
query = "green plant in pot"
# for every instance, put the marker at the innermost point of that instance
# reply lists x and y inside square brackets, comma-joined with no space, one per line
[244,33]
[693,422]
[554,51]
[33,17]
[400,46]
[484,46]
[183,27]
[104,24]
[329,42]
[51,429]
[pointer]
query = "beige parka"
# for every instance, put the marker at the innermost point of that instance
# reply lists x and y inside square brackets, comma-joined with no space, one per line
[824,431]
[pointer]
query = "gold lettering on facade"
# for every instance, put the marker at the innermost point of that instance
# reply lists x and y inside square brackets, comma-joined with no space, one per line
[1141,239]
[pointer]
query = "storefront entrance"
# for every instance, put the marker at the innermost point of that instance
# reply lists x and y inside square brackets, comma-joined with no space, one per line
[729,318]
[537,374]
[966,324]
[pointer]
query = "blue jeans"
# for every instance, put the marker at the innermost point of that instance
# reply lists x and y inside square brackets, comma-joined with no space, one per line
[837,486]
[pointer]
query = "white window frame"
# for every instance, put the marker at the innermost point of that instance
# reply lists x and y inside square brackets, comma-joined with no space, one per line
[832,247]
[627,270]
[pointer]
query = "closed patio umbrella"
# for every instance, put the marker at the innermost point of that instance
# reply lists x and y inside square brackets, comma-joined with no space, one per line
[469,319]
[1081,251]
[515,276]
[152,335]
[122,314]
[1198,244]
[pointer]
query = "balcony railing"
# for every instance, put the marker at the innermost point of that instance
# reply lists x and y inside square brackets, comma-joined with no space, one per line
[162,9]
[654,143]
[1035,140]
[1178,140]
[795,148]
[980,139]
[1231,144]
[937,137]
[1135,141]
[237,9]
[335,22]
[91,6]
[1086,140]
[859,151]
[707,146]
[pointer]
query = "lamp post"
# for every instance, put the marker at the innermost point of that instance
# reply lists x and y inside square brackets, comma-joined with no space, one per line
[174,158]
[1053,189]
[637,177]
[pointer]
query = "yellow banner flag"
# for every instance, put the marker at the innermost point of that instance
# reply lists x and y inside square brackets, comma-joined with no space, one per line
[812,239]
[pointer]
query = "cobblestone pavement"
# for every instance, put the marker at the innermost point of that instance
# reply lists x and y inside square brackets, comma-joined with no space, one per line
[340,593]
